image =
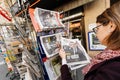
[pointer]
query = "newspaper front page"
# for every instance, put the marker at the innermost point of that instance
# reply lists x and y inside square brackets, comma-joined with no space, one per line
[47,19]
[49,44]
[76,54]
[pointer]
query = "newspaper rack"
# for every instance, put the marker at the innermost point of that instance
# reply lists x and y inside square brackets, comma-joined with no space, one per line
[43,27]
[48,34]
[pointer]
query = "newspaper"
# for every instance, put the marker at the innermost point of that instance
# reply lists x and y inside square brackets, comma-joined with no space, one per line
[34,22]
[74,67]
[47,19]
[30,61]
[76,54]
[49,44]
[52,66]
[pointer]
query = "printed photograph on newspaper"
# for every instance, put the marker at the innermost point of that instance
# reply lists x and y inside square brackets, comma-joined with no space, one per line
[76,53]
[50,44]
[56,65]
[47,18]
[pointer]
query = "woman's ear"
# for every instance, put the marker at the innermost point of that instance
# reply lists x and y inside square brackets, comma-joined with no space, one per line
[112,26]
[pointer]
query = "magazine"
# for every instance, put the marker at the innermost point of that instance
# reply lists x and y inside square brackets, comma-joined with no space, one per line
[76,54]
[47,19]
[50,44]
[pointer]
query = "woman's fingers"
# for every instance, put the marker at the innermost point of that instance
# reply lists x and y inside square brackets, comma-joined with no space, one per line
[62,53]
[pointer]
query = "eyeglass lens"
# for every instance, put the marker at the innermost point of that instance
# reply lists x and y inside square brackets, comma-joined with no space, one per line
[96,28]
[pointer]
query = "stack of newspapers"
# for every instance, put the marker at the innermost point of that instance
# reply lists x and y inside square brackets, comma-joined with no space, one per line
[52,30]
[50,48]
[76,54]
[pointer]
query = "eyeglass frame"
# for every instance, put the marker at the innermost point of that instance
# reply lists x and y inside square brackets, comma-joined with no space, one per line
[96,28]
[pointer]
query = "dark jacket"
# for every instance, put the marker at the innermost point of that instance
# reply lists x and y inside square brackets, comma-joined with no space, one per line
[106,70]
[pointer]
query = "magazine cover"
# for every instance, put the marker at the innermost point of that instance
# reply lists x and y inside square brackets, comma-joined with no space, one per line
[50,44]
[76,54]
[47,19]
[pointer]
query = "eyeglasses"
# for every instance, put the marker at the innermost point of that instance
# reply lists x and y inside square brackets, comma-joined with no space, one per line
[96,28]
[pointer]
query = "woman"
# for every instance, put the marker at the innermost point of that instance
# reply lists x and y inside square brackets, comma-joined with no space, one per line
[105,65]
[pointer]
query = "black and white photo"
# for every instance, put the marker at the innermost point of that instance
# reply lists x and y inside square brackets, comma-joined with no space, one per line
[47,19]
[49,44]
[76,54]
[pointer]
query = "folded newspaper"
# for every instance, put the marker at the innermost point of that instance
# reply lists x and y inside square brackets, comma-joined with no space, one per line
[47,19]
[76,54]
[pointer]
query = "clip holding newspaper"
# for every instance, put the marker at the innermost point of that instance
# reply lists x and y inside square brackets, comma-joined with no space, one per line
[76,54]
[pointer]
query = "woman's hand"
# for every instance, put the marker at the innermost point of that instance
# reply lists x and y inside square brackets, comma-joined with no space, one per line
[62,54]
